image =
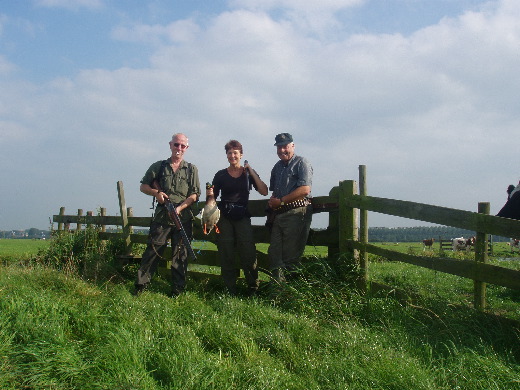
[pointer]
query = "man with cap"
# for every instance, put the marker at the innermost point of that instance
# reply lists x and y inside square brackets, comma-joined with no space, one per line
[290,183]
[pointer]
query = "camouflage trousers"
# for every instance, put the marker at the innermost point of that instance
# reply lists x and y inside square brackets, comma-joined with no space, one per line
[153,254]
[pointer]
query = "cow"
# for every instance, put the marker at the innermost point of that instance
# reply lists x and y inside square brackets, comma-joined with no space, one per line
[461,243]
[458,244]
[428,243]
[470,242]
[515,244]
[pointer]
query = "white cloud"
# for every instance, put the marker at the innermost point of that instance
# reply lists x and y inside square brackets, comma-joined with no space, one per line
[70,4]
[6,67]
[12,131]
[308,16]
[177,32]
[304,5]
[433,114]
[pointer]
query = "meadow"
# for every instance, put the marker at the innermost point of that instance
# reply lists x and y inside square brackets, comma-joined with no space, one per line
[69,321]
[21,247]
[433,285]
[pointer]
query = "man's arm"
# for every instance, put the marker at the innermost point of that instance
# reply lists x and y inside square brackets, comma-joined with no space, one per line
[298,193]
[187,203]
[149,190]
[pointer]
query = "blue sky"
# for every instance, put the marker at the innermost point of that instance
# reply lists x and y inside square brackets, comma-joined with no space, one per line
[57,38]
[422,92]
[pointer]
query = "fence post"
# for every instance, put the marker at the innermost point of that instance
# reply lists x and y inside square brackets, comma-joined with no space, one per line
[363,228]
[62,213]
[348,227]
[130,213]
[124,218]
[89,223]
[66,226]
[481,256]
[333,250]
[79,225]
[103,213]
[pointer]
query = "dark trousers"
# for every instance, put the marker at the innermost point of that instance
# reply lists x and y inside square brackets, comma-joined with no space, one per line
[157,242]
[236,237]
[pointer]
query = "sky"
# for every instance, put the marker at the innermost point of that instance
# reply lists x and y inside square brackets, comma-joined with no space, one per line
[421,92]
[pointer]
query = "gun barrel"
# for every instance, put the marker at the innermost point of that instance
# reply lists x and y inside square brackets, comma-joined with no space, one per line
[172,212]
[175,217]
[247,177]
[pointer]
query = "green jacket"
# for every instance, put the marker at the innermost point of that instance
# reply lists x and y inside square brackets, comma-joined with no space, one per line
[177,185]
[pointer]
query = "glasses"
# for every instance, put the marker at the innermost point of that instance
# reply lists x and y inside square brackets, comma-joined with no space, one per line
[178,145]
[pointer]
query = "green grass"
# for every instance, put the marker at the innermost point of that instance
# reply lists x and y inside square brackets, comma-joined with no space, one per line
[433,285]
[21,248]
[61,332]
[60,328]
[501,255]
[310,251]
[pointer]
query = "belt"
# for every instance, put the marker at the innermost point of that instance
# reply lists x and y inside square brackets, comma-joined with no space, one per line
[293,205]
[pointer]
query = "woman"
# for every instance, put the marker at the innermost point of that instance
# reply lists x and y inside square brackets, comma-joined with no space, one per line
[233,185]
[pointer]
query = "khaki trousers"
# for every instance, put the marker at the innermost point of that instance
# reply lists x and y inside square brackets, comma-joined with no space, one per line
[288,237]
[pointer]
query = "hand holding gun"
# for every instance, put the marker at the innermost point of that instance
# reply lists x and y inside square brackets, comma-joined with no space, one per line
[174,216]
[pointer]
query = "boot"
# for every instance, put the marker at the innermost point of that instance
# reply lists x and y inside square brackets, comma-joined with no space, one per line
[278,276]
[139,288]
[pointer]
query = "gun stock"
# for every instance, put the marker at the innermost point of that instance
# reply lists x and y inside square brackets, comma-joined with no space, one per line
[174,216]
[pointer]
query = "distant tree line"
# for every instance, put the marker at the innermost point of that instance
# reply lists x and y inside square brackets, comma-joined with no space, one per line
[420,233]
[375,234]
[31,233]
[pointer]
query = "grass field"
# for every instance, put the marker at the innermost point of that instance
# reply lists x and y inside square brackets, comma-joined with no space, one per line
[62,330]
[433,285]
[21,247]
[499,248]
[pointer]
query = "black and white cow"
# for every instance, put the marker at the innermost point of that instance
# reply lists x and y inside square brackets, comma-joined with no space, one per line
[461,243]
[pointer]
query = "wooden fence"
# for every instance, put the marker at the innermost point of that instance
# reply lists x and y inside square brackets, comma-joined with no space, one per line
[126,222]
[347,233]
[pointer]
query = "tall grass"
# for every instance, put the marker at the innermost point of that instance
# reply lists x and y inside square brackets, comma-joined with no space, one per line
[438,286]
[81,253]
[62,330]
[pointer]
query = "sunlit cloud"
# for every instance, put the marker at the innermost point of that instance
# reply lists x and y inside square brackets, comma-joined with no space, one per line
[424,110]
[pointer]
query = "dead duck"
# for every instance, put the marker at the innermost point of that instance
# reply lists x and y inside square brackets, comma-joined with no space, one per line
[210,213]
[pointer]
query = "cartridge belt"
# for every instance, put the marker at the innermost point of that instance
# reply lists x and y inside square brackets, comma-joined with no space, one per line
[293,205]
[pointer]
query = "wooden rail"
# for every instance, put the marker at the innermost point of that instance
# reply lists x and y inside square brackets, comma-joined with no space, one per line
[347,233]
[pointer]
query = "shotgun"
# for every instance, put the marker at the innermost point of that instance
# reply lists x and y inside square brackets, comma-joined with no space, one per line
[174,216]
[247,178]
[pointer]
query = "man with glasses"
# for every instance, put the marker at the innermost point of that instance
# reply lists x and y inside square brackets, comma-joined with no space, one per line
[290,203]
[179,182]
